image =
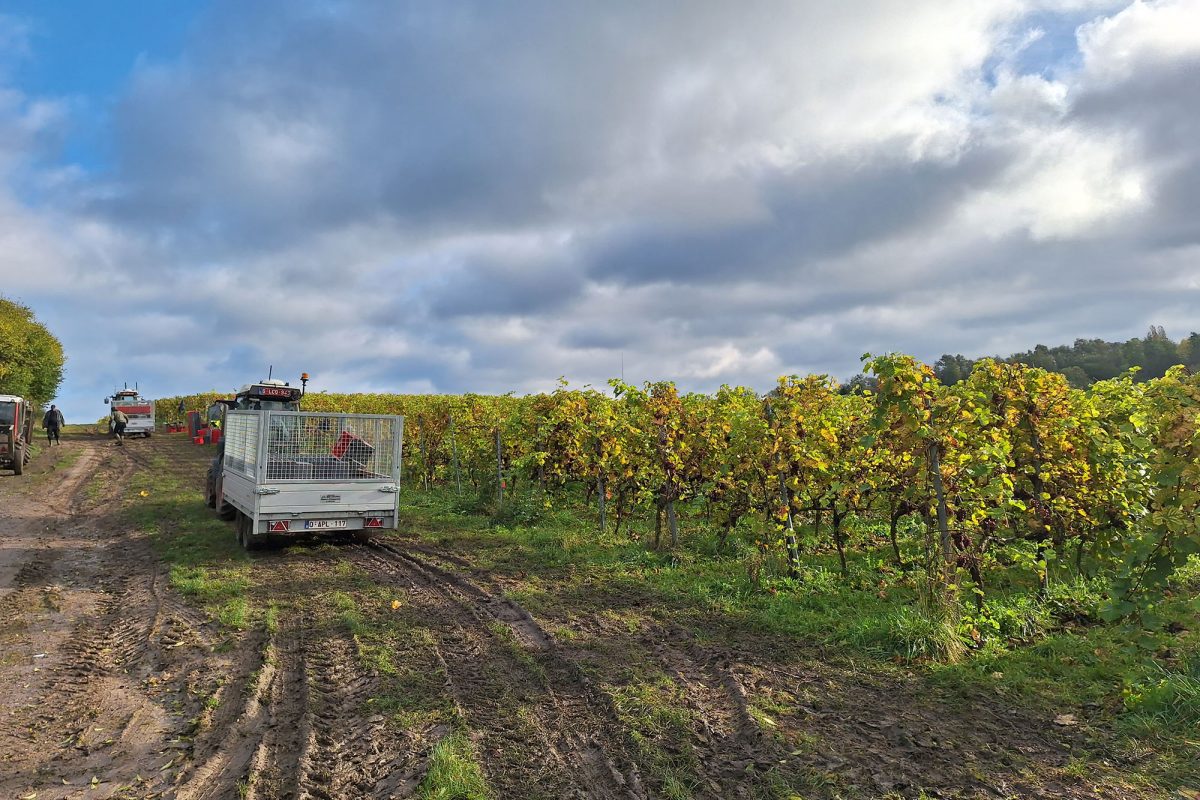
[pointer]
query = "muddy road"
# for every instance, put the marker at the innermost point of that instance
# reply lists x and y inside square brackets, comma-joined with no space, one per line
[354,663]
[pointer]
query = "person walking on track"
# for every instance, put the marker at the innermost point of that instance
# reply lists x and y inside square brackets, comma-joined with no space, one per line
[53,423]
[118,421]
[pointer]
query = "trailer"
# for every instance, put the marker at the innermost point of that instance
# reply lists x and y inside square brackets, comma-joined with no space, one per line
[285,473]
[138,411]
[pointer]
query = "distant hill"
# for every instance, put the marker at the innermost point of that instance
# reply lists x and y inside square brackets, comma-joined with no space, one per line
[1090,360]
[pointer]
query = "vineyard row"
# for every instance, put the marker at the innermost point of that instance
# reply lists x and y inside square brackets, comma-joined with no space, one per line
[1011,465]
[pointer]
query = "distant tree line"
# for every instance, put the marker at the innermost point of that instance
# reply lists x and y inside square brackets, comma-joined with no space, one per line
[31,358]
[1083,363]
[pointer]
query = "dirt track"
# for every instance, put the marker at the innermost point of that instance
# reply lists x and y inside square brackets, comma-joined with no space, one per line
[108,675]
[112,686]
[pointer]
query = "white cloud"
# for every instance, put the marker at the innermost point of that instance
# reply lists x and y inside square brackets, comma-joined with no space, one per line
[1145,33]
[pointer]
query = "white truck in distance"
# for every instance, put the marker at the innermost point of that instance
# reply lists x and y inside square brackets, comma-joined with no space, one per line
[137,409]
[283,472]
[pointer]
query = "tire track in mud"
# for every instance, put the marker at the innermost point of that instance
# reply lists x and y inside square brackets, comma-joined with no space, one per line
[61,504]
[728,740]
[274,768]
[226,745]
[726,737]
[732,750]
[349,753]
[538,721]
[115,688]
[301,731]
[30,590]
[111,672]
[64,499]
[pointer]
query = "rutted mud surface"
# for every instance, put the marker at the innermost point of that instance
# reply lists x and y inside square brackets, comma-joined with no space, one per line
[542,729]
[112,685]
[133,692]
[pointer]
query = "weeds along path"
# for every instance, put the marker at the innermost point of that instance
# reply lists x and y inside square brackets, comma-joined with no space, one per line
[540,727]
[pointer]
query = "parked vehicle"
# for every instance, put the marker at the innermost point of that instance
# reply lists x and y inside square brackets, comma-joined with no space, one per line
[16,432]
[137,409]
[283,472]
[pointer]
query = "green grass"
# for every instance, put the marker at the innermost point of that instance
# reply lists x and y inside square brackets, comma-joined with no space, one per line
[203,557]
[911,633]
[1169,700]
[454,772]
[505,635]
[660,726]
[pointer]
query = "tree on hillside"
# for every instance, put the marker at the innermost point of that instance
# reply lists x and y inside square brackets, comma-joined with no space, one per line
[1189,352]
[1090,360]
[952,369]
[31,358]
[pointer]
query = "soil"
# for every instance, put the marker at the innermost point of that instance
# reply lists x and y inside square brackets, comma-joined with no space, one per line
[112,685]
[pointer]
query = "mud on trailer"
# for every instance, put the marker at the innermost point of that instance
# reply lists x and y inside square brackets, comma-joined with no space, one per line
[288,473]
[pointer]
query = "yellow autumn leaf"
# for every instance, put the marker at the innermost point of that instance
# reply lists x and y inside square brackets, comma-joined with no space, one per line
[395,604]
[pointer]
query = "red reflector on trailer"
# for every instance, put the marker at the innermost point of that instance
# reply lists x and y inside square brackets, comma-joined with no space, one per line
[280,526]
[373,522]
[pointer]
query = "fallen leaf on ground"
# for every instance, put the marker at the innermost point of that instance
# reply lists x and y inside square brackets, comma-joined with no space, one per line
[1066,720]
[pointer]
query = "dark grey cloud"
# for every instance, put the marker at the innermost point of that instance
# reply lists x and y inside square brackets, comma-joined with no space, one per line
[508,290]
[1158,107]
[810,214]
[451,117]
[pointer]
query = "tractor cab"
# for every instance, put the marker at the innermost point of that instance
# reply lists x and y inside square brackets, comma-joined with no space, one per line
[16,432]
[268,395]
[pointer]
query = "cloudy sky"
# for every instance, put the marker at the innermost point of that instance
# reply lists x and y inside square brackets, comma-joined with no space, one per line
[449,196]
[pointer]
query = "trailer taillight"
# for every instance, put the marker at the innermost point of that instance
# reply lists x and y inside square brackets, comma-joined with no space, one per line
[373,522]
[280,526]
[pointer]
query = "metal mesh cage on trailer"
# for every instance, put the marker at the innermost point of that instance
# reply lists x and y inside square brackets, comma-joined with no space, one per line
[241,442]
[302,445]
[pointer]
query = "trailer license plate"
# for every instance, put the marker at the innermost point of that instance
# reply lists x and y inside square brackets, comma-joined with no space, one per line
[324,523]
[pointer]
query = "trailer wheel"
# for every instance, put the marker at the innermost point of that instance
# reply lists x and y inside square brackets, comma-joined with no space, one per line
[18,464]
[224,510]
[245,536]
[363,537]
[210,489]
